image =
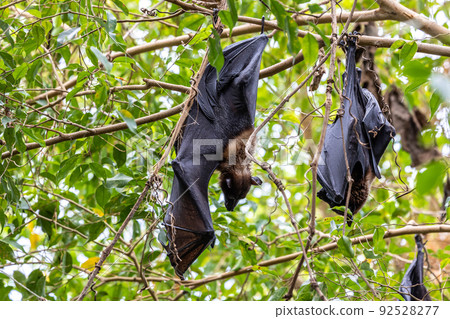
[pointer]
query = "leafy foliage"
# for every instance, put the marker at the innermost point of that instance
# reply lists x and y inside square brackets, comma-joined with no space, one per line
[62,203]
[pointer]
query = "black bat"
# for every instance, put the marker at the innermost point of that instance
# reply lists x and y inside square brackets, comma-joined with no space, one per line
[365,132]
[214,137]
[412,287]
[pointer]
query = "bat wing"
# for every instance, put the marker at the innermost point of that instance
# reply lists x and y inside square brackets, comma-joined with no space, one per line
[378,130]
[412,283]
[332,169]
[188,220]
[238,78]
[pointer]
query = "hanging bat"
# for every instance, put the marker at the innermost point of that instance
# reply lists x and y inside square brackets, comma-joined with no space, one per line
[219,123]
[412,287]
[365,132]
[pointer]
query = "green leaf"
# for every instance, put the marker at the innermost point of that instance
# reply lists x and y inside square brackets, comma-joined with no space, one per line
[200,36]
[8,59]
[263,246]
[101,95]
[226,19]
[20,72]
[20,145]
[5,27]
[378,240]
[95,230]
[280,14]
[278,294]
[67,262]
[445,262]
[162,237]
[111,22]
[215,54]
[345,247]
[13,243]
[417,83]
[293,41]
[321,33]
[121,6]
[98,170]
[369,254]
[47,210]
[435,102]
[36,138]
[9,136]
[191,22]
[67,35]
[431,177]
[314,8]
[90,54]
[103,60]
[120,154]
[230,17]
[6,120]
[128,118]
[36,282]
[76,175]
[397,44]
[408,51]
[77,88]
[248,254]
[416,69]
[305,292]
[38,33]
[19,277]
[118,181]
[233,10]
[66,166]
[6,253]
[102,195]
[23,204]
[310,49]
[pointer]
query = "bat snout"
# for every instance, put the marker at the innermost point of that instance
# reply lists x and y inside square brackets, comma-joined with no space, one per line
[231,204]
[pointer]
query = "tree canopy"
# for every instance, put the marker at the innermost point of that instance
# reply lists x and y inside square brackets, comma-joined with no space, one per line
[90,96]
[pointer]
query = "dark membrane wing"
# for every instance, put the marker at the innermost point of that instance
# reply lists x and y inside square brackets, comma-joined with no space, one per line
[188,220]
[238,78]
[182,258]
[379,131]
[412,287]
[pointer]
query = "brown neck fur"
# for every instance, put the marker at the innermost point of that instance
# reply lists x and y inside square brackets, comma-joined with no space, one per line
[360,191]
[235,159]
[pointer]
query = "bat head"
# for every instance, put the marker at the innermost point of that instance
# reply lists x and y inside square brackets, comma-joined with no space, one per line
[235,186]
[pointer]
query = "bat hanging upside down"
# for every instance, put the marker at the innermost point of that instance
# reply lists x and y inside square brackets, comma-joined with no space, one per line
[364,132]
[214,137]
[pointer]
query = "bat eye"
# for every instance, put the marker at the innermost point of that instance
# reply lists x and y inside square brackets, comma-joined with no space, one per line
[256,180]
[228,181]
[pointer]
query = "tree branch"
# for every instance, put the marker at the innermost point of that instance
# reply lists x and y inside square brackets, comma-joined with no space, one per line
[360,16]
[403,14]
[98,131]
[407,230]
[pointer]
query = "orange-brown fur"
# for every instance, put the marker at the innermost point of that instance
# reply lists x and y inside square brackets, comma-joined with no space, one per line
[235,160]
[360,191]
[235,170]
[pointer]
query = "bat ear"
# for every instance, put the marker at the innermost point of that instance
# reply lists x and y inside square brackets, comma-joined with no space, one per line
[256,180]
[228,181]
